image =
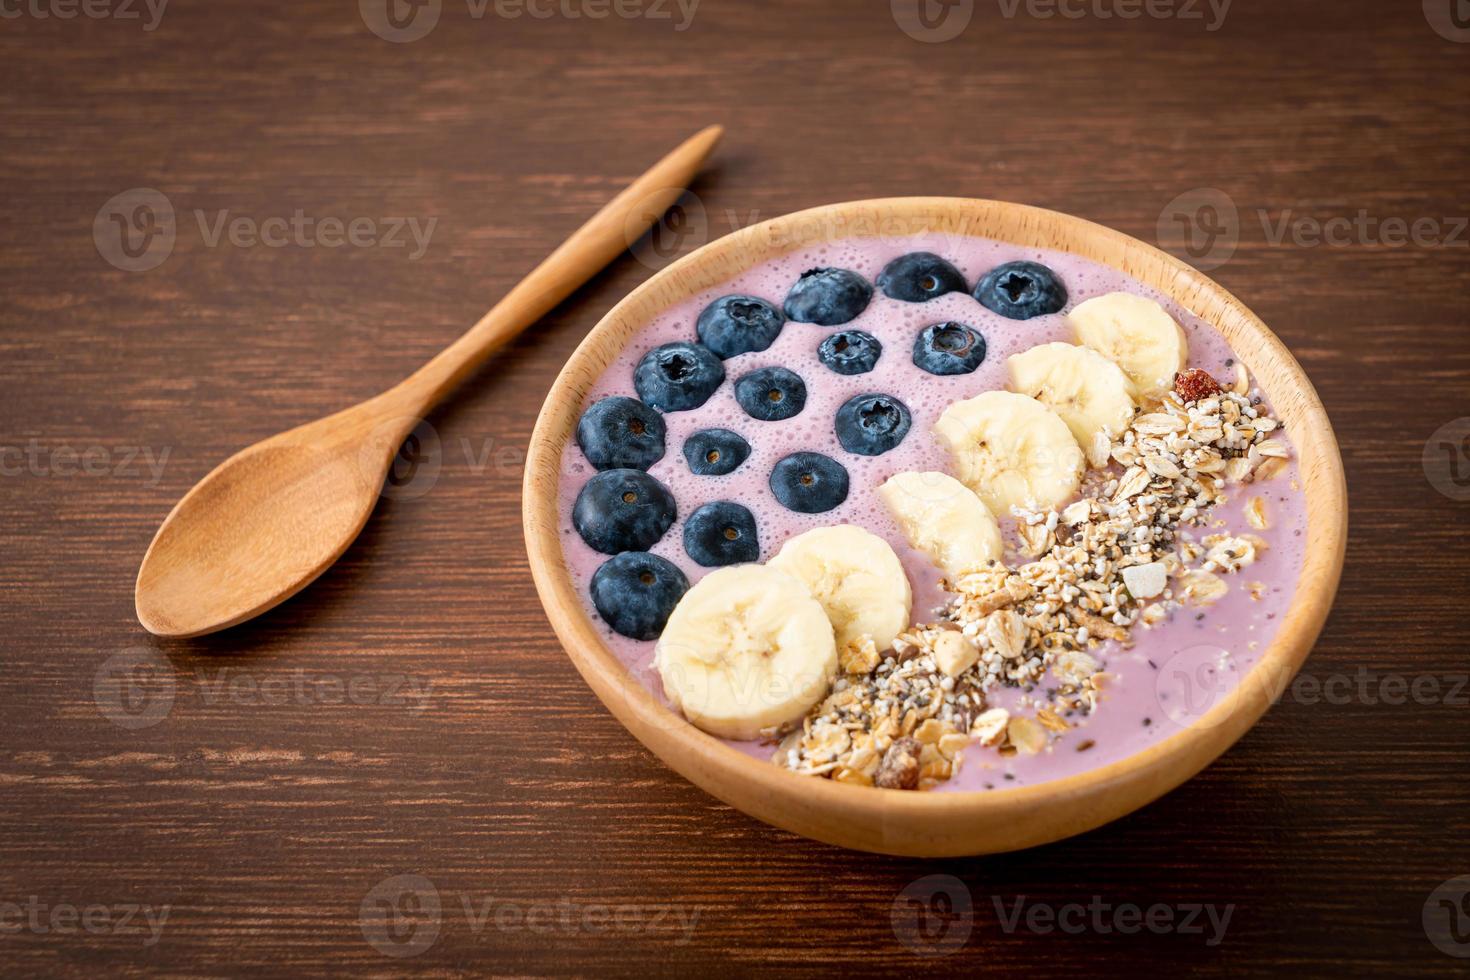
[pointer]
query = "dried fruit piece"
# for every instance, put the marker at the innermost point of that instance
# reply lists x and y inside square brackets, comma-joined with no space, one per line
[1196,384]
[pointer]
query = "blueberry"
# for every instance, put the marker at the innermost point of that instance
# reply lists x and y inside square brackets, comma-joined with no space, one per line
[721,533]
[949,348]
[771,394]
[677,377]
[715,452]
[850,352]
[920,277]
[635,592]
[828,297]
[623,510]
[870,425]
[809,483]
[620,433]
[735,325]
[1021,290]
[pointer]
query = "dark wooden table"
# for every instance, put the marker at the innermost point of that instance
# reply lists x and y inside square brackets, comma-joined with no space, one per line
[411,714]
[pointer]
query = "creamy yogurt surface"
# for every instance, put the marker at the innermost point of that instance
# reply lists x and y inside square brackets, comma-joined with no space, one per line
[1161,683]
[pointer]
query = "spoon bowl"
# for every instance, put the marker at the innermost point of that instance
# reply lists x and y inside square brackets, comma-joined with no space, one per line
[265,523]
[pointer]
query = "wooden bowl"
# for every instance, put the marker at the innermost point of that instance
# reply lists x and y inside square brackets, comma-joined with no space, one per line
[950,823]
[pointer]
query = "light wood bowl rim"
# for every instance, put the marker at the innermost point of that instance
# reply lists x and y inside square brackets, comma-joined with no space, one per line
[951,823]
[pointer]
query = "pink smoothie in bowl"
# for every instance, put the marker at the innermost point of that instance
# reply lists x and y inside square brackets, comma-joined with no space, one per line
[1181,652]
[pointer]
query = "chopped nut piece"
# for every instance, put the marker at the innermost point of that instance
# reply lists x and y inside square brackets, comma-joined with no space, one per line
[1146,581]
[954,654]
[900,766]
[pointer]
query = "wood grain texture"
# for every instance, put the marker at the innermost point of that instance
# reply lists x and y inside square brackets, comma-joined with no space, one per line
[263,821]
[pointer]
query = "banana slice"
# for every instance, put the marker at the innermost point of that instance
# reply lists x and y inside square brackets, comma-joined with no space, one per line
[944,519]
[1090,393]
[747,649]
[1138,335]
[1011,450]
[856,577]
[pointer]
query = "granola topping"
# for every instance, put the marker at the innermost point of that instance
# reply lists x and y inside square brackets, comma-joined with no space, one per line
[1136,547]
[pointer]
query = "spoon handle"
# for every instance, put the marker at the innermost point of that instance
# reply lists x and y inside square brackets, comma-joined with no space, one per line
[603,238]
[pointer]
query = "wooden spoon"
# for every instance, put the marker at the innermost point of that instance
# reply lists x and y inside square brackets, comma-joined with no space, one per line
[273,517]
